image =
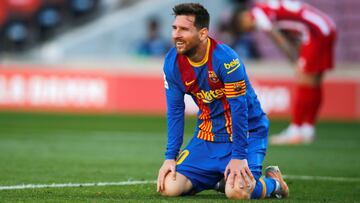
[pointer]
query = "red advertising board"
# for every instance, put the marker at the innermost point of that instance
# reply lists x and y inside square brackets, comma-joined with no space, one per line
[341,98]
[94,91]
[52,90]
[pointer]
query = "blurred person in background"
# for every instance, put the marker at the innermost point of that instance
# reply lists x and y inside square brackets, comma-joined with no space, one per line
[3,18]
[230,140]
[224,33]
[17,30]
[307,36]
[49,17]
[154,45]
[244,43]
[80,8]
[229,33]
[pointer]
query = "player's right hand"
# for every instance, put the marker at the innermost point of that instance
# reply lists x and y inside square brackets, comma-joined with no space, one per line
[237,171]
[169,166]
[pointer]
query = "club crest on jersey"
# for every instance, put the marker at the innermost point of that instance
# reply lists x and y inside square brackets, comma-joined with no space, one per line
[239,86]
[235,89]
[213,77]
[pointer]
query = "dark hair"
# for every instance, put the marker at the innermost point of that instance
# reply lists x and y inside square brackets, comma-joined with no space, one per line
[202,17]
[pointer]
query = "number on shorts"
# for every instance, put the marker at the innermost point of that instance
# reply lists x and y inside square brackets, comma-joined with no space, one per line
[182,157]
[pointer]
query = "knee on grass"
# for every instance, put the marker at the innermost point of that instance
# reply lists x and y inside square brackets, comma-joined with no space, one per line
[238,193]
[174,188]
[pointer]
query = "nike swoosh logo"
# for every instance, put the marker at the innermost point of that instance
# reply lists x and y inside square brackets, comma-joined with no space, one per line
[189,83]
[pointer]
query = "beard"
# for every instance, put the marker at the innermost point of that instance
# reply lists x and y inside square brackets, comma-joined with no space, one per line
[188,51]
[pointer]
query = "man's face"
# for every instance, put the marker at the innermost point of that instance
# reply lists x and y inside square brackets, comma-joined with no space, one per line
[185,35]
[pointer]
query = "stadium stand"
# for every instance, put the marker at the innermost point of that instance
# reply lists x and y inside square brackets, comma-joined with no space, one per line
[20,16]
[61,30]
[118,35]
[25,22]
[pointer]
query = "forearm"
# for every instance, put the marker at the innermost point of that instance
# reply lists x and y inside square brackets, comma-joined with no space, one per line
[172,151]
[285,45]
[239,117]
[175,126]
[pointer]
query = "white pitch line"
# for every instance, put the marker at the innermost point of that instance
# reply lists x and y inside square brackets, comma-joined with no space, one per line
[62,185]
[135,182]
[322,178]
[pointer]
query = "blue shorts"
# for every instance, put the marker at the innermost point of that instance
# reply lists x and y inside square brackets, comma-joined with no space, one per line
[204,163]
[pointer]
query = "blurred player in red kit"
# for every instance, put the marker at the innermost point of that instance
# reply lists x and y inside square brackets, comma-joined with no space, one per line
[307,36]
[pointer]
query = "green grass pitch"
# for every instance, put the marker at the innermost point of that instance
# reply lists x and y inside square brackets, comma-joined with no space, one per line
[54,148]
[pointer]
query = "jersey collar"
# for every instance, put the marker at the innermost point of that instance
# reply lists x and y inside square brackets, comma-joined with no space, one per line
[205,59]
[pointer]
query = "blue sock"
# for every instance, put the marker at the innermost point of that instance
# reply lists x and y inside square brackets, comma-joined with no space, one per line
[263,188]
[270,186]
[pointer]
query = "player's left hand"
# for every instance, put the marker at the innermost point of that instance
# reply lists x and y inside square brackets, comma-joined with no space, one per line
[168,167]
[238,169]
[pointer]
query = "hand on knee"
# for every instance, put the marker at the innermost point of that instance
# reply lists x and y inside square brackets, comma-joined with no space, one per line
[177,187]
[237,192]
[172,187]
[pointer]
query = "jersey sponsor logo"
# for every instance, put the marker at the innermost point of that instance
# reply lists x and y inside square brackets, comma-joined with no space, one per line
[188,83]
[213,77]
[232,66]
[210,96]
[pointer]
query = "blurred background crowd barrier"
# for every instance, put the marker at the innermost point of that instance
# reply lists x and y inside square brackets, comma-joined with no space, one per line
[107,55]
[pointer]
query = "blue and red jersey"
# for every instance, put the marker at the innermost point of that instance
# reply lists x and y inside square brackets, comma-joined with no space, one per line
[219,85]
